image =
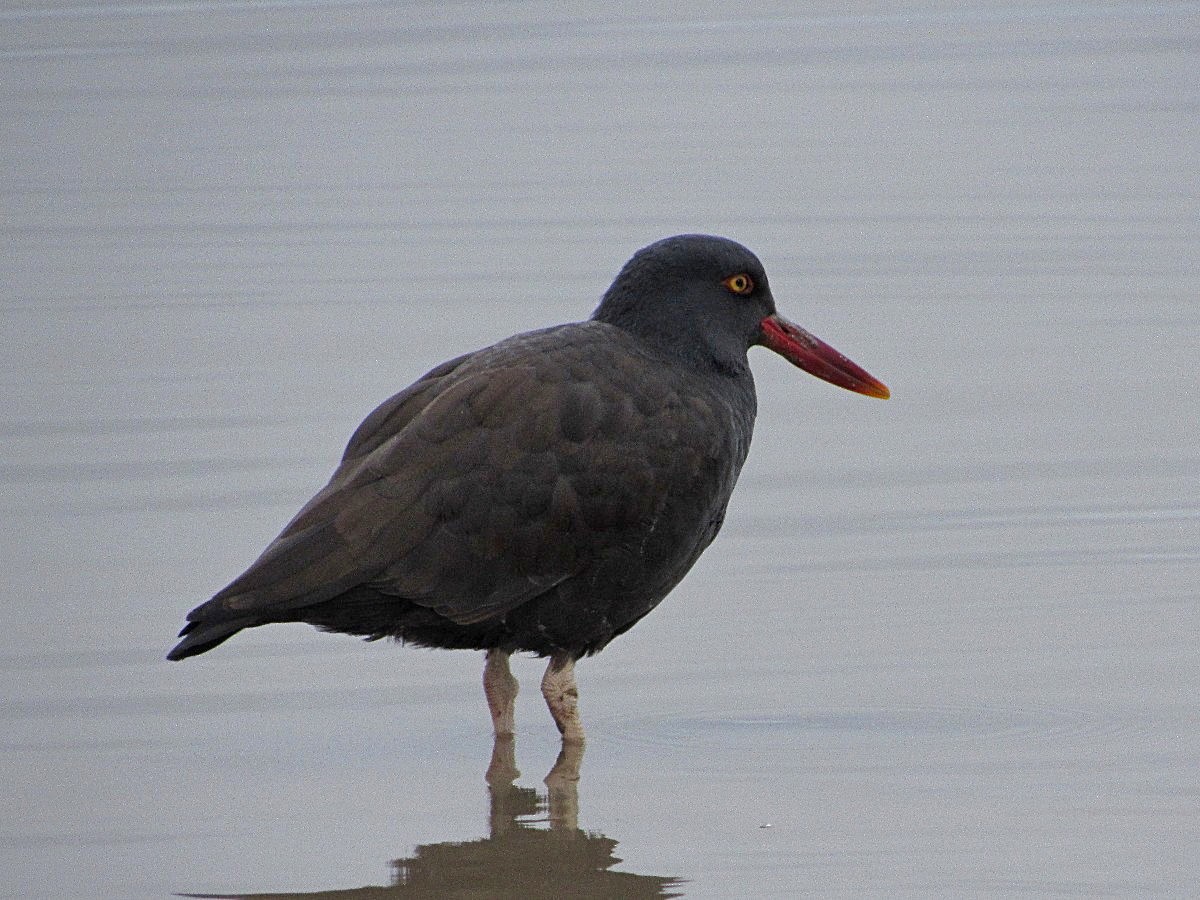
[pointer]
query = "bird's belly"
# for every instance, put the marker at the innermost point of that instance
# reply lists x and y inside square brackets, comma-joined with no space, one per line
[584,613]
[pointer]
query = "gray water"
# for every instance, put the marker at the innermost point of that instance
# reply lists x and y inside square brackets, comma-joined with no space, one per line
[946,645]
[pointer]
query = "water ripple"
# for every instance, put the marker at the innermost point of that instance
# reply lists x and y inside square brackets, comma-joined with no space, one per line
[931,724]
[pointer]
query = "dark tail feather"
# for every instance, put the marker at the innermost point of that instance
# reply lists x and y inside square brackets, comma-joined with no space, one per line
[200,637]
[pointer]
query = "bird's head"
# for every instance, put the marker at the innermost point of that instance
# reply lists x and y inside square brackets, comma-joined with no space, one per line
[706,299]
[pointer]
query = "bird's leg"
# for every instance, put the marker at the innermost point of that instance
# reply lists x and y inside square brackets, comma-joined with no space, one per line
[502,771]
[562,696]
[563,787]
[500,688]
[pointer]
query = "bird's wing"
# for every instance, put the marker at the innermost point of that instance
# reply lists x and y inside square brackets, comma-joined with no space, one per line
[390,417]
[500,485]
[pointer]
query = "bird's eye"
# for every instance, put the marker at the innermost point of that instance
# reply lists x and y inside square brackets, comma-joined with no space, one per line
[739,284]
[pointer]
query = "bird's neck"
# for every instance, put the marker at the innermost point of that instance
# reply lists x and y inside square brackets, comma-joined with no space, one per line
[678,337]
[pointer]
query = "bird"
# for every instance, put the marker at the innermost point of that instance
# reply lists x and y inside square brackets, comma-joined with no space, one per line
[543,494]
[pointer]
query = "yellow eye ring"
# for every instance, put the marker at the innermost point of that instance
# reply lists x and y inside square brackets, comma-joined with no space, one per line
[740,284]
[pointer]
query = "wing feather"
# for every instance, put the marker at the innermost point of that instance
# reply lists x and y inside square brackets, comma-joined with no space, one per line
[491,480]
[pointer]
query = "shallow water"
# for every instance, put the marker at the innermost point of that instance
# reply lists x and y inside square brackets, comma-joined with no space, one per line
[945,645]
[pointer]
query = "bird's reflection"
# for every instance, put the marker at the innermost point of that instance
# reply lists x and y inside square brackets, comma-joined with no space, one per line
[520,857]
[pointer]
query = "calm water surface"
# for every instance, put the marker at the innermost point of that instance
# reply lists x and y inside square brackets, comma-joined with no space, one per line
[946,645]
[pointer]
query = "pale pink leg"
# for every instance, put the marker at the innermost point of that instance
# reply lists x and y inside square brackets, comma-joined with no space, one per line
[562,696]
[563,785]
[500,688]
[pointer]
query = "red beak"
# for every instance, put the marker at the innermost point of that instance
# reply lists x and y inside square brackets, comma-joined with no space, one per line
[816,357]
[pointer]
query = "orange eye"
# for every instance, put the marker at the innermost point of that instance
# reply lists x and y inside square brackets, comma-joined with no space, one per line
[740,284]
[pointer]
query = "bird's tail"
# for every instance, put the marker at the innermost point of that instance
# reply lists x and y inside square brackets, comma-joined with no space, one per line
[200,636]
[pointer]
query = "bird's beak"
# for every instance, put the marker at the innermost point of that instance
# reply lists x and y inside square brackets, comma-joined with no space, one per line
[816,357]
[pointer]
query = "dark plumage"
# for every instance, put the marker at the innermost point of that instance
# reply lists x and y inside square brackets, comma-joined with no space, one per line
[544,493]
